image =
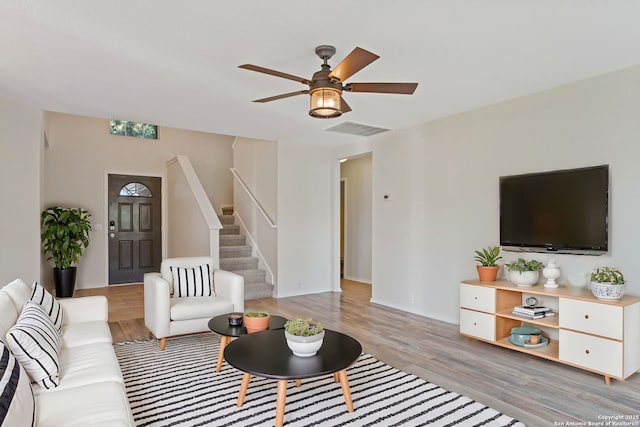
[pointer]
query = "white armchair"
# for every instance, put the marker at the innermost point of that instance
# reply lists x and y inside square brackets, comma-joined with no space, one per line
[167,315]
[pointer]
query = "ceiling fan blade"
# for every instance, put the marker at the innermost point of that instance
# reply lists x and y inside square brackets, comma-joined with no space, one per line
[400,88]
[284,95]
[344,107]
[354,62]
[251,67]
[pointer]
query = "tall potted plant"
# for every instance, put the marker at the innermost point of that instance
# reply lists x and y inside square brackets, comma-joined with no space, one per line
[488,267]
[65,235]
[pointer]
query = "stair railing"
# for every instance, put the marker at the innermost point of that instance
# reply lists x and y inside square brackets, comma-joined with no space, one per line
[253,199]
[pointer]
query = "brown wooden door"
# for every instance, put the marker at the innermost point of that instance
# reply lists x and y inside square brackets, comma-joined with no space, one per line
[134,227]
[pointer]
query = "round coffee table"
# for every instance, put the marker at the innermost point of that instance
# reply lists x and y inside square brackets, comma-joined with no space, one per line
[267,355]
[220,325]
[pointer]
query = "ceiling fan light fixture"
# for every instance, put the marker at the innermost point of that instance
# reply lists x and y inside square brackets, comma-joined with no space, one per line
[325,103]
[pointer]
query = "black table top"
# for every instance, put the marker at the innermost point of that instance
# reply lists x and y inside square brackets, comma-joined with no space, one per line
[220,325]
[266,354]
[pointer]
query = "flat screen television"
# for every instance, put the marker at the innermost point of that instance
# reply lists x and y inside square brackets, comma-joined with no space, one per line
[564,211]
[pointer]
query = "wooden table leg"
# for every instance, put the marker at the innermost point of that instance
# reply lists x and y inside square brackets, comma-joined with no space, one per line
[224,340]
[344,382]
[282,397]
[243,389]
[298,383]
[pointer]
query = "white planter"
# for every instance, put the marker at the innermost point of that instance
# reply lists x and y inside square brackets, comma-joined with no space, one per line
[304,346]
[607,291]
[524,279]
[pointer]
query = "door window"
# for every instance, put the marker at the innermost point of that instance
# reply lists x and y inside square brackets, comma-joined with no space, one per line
[135,189]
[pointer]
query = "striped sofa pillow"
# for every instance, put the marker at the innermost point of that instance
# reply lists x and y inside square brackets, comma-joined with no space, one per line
[192,282]
[49,304]
[35,342]
[17,406]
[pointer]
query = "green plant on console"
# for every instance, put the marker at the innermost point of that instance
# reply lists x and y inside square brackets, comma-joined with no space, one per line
[488,257]
[523,265]
[607,275]
[303,327]
[65,234]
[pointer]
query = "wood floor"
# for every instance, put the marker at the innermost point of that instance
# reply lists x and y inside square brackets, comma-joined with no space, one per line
[535,391]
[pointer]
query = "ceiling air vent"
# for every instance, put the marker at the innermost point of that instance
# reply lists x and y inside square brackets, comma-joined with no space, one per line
[352,128]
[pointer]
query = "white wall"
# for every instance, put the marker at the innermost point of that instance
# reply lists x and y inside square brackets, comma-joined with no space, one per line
[256,163]
[305,219]
[21,143]
[443,177]
[356,173]
[82,153]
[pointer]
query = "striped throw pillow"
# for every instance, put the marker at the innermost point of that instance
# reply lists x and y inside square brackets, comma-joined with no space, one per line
[192,282]
[49,304]
[35,342]
[17,406]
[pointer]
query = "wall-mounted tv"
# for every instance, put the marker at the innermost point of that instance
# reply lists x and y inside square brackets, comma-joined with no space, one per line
[564,211]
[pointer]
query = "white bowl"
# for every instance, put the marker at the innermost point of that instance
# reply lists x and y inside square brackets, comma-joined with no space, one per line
[524,279]
[607,291]
[304,346]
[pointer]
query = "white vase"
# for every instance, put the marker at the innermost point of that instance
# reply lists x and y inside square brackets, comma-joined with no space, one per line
[304,346]
[551,272]
[524,279]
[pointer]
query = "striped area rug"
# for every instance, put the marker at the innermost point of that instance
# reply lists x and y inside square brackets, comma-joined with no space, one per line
[179,387]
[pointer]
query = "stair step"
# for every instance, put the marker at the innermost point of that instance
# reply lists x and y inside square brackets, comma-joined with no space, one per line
[257,290]
[232,240]
[227,219]
[235,251]
[252,275]
[227,211]
[243,263]
[229,229]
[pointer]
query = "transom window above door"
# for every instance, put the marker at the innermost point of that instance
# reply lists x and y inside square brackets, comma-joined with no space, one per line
[135,189]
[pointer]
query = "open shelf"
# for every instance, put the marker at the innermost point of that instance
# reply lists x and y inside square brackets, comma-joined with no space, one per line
[549,322]
[549,352]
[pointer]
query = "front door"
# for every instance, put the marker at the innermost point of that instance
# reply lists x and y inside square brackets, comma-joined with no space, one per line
[134,227]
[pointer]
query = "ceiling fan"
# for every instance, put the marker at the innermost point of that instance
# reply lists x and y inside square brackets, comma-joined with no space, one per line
[326,86]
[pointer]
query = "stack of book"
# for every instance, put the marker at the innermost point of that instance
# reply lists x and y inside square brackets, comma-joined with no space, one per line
[532,312]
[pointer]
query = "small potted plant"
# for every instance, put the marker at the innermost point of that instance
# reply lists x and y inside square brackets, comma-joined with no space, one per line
[304,337]
[256,321]
[488,267]
[65,235]
[607,283]
[524,273]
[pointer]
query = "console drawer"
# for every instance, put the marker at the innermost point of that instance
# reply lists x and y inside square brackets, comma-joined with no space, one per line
[478,298]
[477,324]
[600,354]
[591,317]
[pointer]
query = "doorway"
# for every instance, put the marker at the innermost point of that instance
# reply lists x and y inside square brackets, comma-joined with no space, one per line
[356,219]
[134,227]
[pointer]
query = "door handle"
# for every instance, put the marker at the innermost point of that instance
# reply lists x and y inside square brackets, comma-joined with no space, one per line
[112,235]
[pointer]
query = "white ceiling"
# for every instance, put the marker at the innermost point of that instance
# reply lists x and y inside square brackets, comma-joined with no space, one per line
[174,63]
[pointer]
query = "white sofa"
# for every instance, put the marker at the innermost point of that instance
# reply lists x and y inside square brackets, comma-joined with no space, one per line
[91,390]
[167,315]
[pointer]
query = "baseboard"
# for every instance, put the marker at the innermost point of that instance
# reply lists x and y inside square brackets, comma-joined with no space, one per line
[414,311]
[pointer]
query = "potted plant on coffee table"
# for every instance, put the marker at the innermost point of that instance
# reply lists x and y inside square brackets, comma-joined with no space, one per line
[304,337]
[524,273]
[607,283]
[256,321]
[65,235]
[488,267]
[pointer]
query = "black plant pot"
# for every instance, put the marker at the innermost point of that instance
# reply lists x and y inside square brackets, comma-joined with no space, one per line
[65,280]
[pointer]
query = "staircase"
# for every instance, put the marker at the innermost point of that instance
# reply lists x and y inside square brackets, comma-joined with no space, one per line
[235,256]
